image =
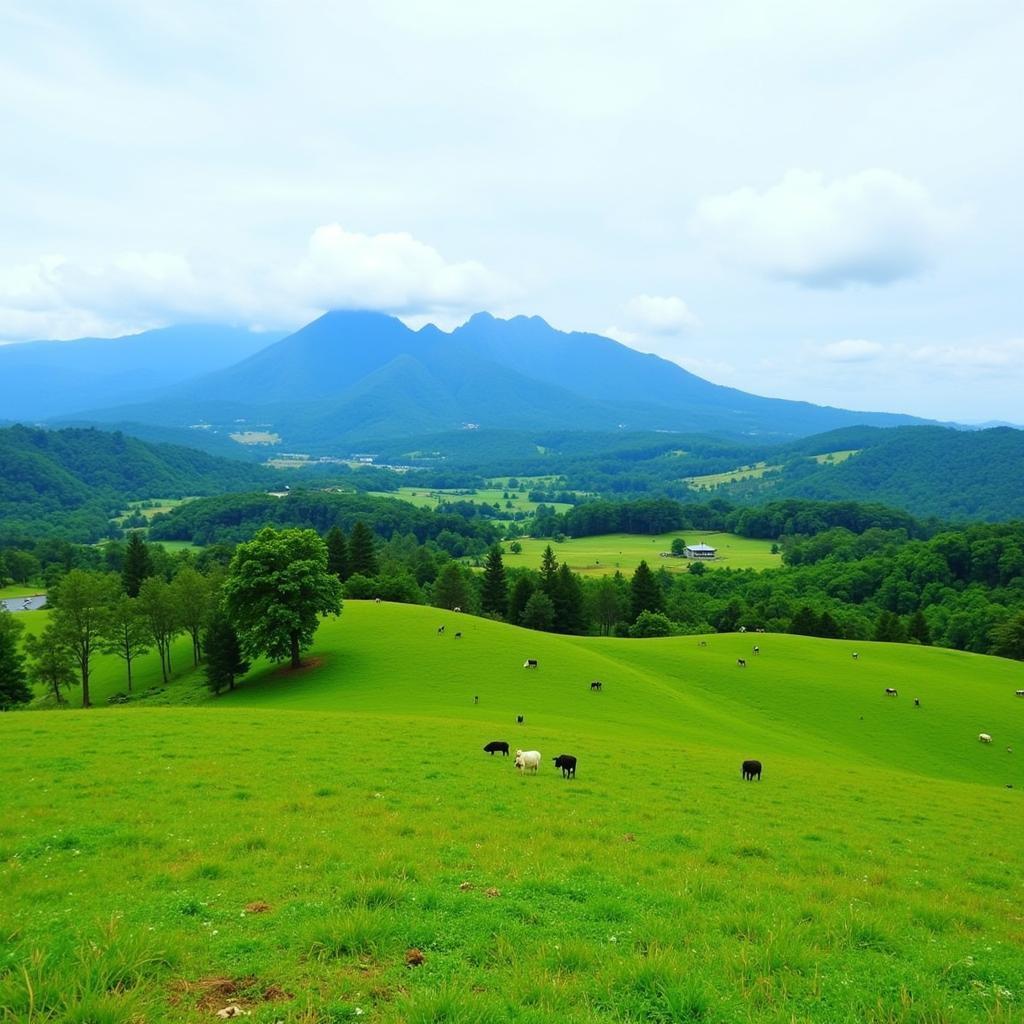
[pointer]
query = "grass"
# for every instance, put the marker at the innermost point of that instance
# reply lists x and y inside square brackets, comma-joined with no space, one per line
[711,480]
[285,847]
[21,590]
[431,498]
[604,555]
[834,458]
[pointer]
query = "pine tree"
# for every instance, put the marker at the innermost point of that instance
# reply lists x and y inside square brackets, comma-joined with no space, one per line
[362,554]
[917,628]
[549,574]
[645,594]
[450,590]
[805,622]
[14,688]
[138,564]
[568,601]
[337,553]
[224,661]
[828,627]
[539,612]
[522,591]
[889,628]
[494,591]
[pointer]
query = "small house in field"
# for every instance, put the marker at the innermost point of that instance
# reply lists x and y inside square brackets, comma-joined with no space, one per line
[700,551]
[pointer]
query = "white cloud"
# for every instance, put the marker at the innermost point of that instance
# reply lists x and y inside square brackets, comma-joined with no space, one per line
[874,227]
[58,298]
[974,359]
[661,314]
[851,350]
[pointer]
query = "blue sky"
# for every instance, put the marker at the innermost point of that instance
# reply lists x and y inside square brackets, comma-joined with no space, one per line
[816,201]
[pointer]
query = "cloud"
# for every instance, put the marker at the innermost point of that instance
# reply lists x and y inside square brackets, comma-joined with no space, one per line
[874,227]
[661,314]
[851,350]
[972,360]
[395,273]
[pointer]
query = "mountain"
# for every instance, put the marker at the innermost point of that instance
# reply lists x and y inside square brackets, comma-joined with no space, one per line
[43,379]
[356,377]
[70,482]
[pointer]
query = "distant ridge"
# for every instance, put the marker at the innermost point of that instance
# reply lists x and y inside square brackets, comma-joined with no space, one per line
[358,377]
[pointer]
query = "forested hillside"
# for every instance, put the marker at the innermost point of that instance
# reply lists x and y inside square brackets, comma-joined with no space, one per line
[68,483]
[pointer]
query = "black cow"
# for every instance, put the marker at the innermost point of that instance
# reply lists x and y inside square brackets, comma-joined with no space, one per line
[742,662]
[458,636]
[891,692]
[596,684]
[440,630]
[568,765]
[496,745]
[750,769]
[530,663]
[519,719]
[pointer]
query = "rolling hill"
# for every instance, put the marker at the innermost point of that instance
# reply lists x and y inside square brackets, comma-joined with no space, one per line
[358,377]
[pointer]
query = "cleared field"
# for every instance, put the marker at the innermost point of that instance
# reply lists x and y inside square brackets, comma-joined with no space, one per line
[21,590]
[710,480]
[427,498]
[836,457]
[623,552]
[285,847]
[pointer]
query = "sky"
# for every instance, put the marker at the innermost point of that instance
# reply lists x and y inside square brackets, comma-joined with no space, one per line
[800,199]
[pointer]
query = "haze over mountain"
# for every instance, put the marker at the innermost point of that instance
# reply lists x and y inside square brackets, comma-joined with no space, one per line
[41,379]
[359,377]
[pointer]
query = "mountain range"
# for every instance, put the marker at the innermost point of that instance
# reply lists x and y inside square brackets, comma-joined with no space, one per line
[353,378]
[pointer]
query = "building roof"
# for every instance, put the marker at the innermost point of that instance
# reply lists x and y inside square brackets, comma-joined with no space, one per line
[700,547]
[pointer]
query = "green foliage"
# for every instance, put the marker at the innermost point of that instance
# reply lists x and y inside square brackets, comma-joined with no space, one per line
[494,586]
[645,594]
[160,611]
[13,684]
[138,564]
[539,612]
[277,588]
[678,547]
[451,588]
[1008,637]
[224,662]
[126,632]
[337,553]
[81,617]
[651,624]
[362,554]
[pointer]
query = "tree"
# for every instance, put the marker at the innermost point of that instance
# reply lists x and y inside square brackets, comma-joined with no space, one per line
[158,607]
[645,594]
[362,553]
[651,624]
[277,588]
[224,661]
[14,688]
[1008,637]
[450,590]
[917,628]
[83,601]
[697,568]
[494,590]
[549,573]
[138,564]
[192,595]
[804,622]
[337,553]
[127,633]
[678,547]
[522,591]
[568,601]
[610,602]
[516,548]
[539,612]
[889,628]
[51,662]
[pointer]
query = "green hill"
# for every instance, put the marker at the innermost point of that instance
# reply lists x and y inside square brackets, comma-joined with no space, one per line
[285,846]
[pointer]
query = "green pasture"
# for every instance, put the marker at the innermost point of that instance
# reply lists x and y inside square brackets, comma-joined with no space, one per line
[285,846]
[152,506]
[623,552]
[425,497]
[711,480]
[835,458]
[21,590]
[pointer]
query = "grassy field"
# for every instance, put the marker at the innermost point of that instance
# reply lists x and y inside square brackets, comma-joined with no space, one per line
[284,847]
[711,480]
[427,498]
[21,590]
[836,457]
[602,556]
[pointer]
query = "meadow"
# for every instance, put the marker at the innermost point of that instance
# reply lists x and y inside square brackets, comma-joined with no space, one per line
[517,500]
[284,847]
[623,552]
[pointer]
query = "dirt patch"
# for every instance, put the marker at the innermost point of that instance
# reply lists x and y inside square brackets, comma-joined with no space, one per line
[276,994]
[257,907]
[308,665]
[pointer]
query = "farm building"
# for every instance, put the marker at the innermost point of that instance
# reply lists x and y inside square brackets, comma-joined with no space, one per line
[700,551]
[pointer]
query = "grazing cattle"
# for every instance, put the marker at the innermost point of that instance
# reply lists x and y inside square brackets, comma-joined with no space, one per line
[983,737]
[440,630]
[568,765]
[890,692]
[456,609]
[376,600]
[702,643]
[596,684]
[1020,693]
[855,655]
[742,662]
[528,761]
[476,700]
[530,663]
[751,769]
[458,636]
[917,702]
[519,719]
[496,745]
[757,650]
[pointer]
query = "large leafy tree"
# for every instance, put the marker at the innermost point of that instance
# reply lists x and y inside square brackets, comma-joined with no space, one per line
[127,633]
[81,617]
[494,587]
[51,662]
[193,597]
[160,610]
[138,564]
[539,612]
[277,588]
[13,686]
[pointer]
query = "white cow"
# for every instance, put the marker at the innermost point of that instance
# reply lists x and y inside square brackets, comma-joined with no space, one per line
[983,737]
[1020,693]
[528,761]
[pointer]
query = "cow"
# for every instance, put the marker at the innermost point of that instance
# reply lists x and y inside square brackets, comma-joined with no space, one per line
[496,745]
[890,692]
[456,609]
[476,700]
[528,761]
[702,643]
[742,662]
[596,684]
[519,719]
[757,650]
[568,765]
[440,630]
[917,702]
[750,770]
[855,655]
[983,737]
[530,663]
[376,600]
[1020,693]
[458,636]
